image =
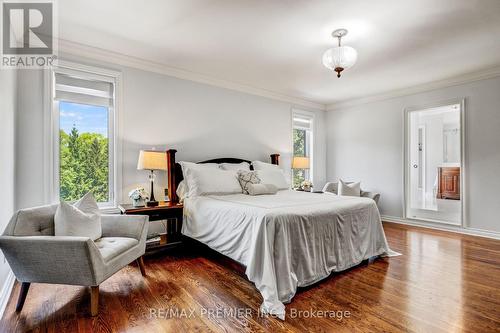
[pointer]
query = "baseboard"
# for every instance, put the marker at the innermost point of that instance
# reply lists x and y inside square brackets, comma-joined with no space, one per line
[443,227]
[6,291]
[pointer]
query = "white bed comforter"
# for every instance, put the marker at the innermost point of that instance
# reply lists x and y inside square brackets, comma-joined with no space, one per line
[288,240]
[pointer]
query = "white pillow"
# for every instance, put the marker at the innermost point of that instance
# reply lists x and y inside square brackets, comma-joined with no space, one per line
[212,181]
[260,189]
[275,177]
[235,166]
[191,165]
[82,219]
[352,189]
[258,165]
[182,190]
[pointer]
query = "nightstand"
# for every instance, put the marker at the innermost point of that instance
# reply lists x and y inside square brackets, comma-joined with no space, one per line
[168,212]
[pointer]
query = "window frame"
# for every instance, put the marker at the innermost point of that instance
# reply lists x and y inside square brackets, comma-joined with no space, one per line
[309,140]
[51,137]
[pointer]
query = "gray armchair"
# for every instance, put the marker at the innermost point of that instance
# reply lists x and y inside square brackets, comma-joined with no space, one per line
[36,255]
[333,187]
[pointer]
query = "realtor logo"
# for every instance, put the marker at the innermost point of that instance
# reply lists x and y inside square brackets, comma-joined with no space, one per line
[28,34]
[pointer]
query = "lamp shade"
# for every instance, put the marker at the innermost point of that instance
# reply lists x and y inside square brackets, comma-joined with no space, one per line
[300,162]
[152,160]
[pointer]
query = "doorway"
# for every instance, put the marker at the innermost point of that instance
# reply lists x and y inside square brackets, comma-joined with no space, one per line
[434,163]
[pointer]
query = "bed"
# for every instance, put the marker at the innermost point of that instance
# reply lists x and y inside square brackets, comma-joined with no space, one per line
[287,240]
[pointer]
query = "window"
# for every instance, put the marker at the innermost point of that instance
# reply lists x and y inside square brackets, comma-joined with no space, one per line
[302,145]
[84,145]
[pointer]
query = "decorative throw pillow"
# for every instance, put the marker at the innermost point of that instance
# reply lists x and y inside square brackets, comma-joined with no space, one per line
[247,177]
[260,189]
[351,189]
[82,219]
[275,177]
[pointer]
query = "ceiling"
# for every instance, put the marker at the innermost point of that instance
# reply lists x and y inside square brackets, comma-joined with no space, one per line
[277,45]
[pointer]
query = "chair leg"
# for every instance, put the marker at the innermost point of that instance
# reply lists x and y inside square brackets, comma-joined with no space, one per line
[94,300]
[25,286]
[140,262]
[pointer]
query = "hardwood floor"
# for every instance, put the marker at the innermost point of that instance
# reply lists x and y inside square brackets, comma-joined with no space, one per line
[443,282]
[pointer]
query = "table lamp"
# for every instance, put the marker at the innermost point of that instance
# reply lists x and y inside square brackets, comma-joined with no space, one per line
[152,160]
[300,162]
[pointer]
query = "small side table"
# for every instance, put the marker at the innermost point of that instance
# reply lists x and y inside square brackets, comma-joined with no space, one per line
[168,211]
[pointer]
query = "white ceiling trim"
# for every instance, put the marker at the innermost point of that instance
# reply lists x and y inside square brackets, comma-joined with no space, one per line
[454,81]
[98,54]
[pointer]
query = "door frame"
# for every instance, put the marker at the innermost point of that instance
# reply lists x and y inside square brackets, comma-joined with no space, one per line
[464,223]
[423,161]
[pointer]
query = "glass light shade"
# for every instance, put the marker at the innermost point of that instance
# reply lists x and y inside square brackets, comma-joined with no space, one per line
[340,57]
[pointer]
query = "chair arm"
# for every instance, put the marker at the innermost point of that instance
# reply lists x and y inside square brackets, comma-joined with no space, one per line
[372,195]
[53,259]
[132,226]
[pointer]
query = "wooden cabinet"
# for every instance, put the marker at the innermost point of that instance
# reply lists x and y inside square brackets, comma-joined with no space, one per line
[448,183]
[168,212]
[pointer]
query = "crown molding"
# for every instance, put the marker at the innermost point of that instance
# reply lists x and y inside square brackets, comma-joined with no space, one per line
[450,82]
[98,54]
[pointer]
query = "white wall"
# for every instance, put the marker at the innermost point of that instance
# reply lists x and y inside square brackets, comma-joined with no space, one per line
[365,143]
[7,164]
[29,140]
[198,120]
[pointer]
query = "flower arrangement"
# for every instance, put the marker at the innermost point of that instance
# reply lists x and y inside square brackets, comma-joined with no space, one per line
[306,185]
[138,195]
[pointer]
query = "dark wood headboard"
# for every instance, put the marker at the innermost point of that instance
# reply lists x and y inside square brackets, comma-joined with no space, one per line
[174,172]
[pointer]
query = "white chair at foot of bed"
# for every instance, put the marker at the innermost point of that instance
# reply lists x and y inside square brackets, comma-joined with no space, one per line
[333,188]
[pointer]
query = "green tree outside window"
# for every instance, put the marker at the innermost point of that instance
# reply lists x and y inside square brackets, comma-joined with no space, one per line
[299,149]
[84,165]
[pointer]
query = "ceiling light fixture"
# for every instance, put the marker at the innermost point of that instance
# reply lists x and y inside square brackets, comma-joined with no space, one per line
[340,57]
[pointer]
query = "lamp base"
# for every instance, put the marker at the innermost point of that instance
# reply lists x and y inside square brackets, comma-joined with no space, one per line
[152,203]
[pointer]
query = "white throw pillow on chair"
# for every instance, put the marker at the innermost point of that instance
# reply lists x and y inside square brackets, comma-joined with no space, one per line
[351,189]
[82,219]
